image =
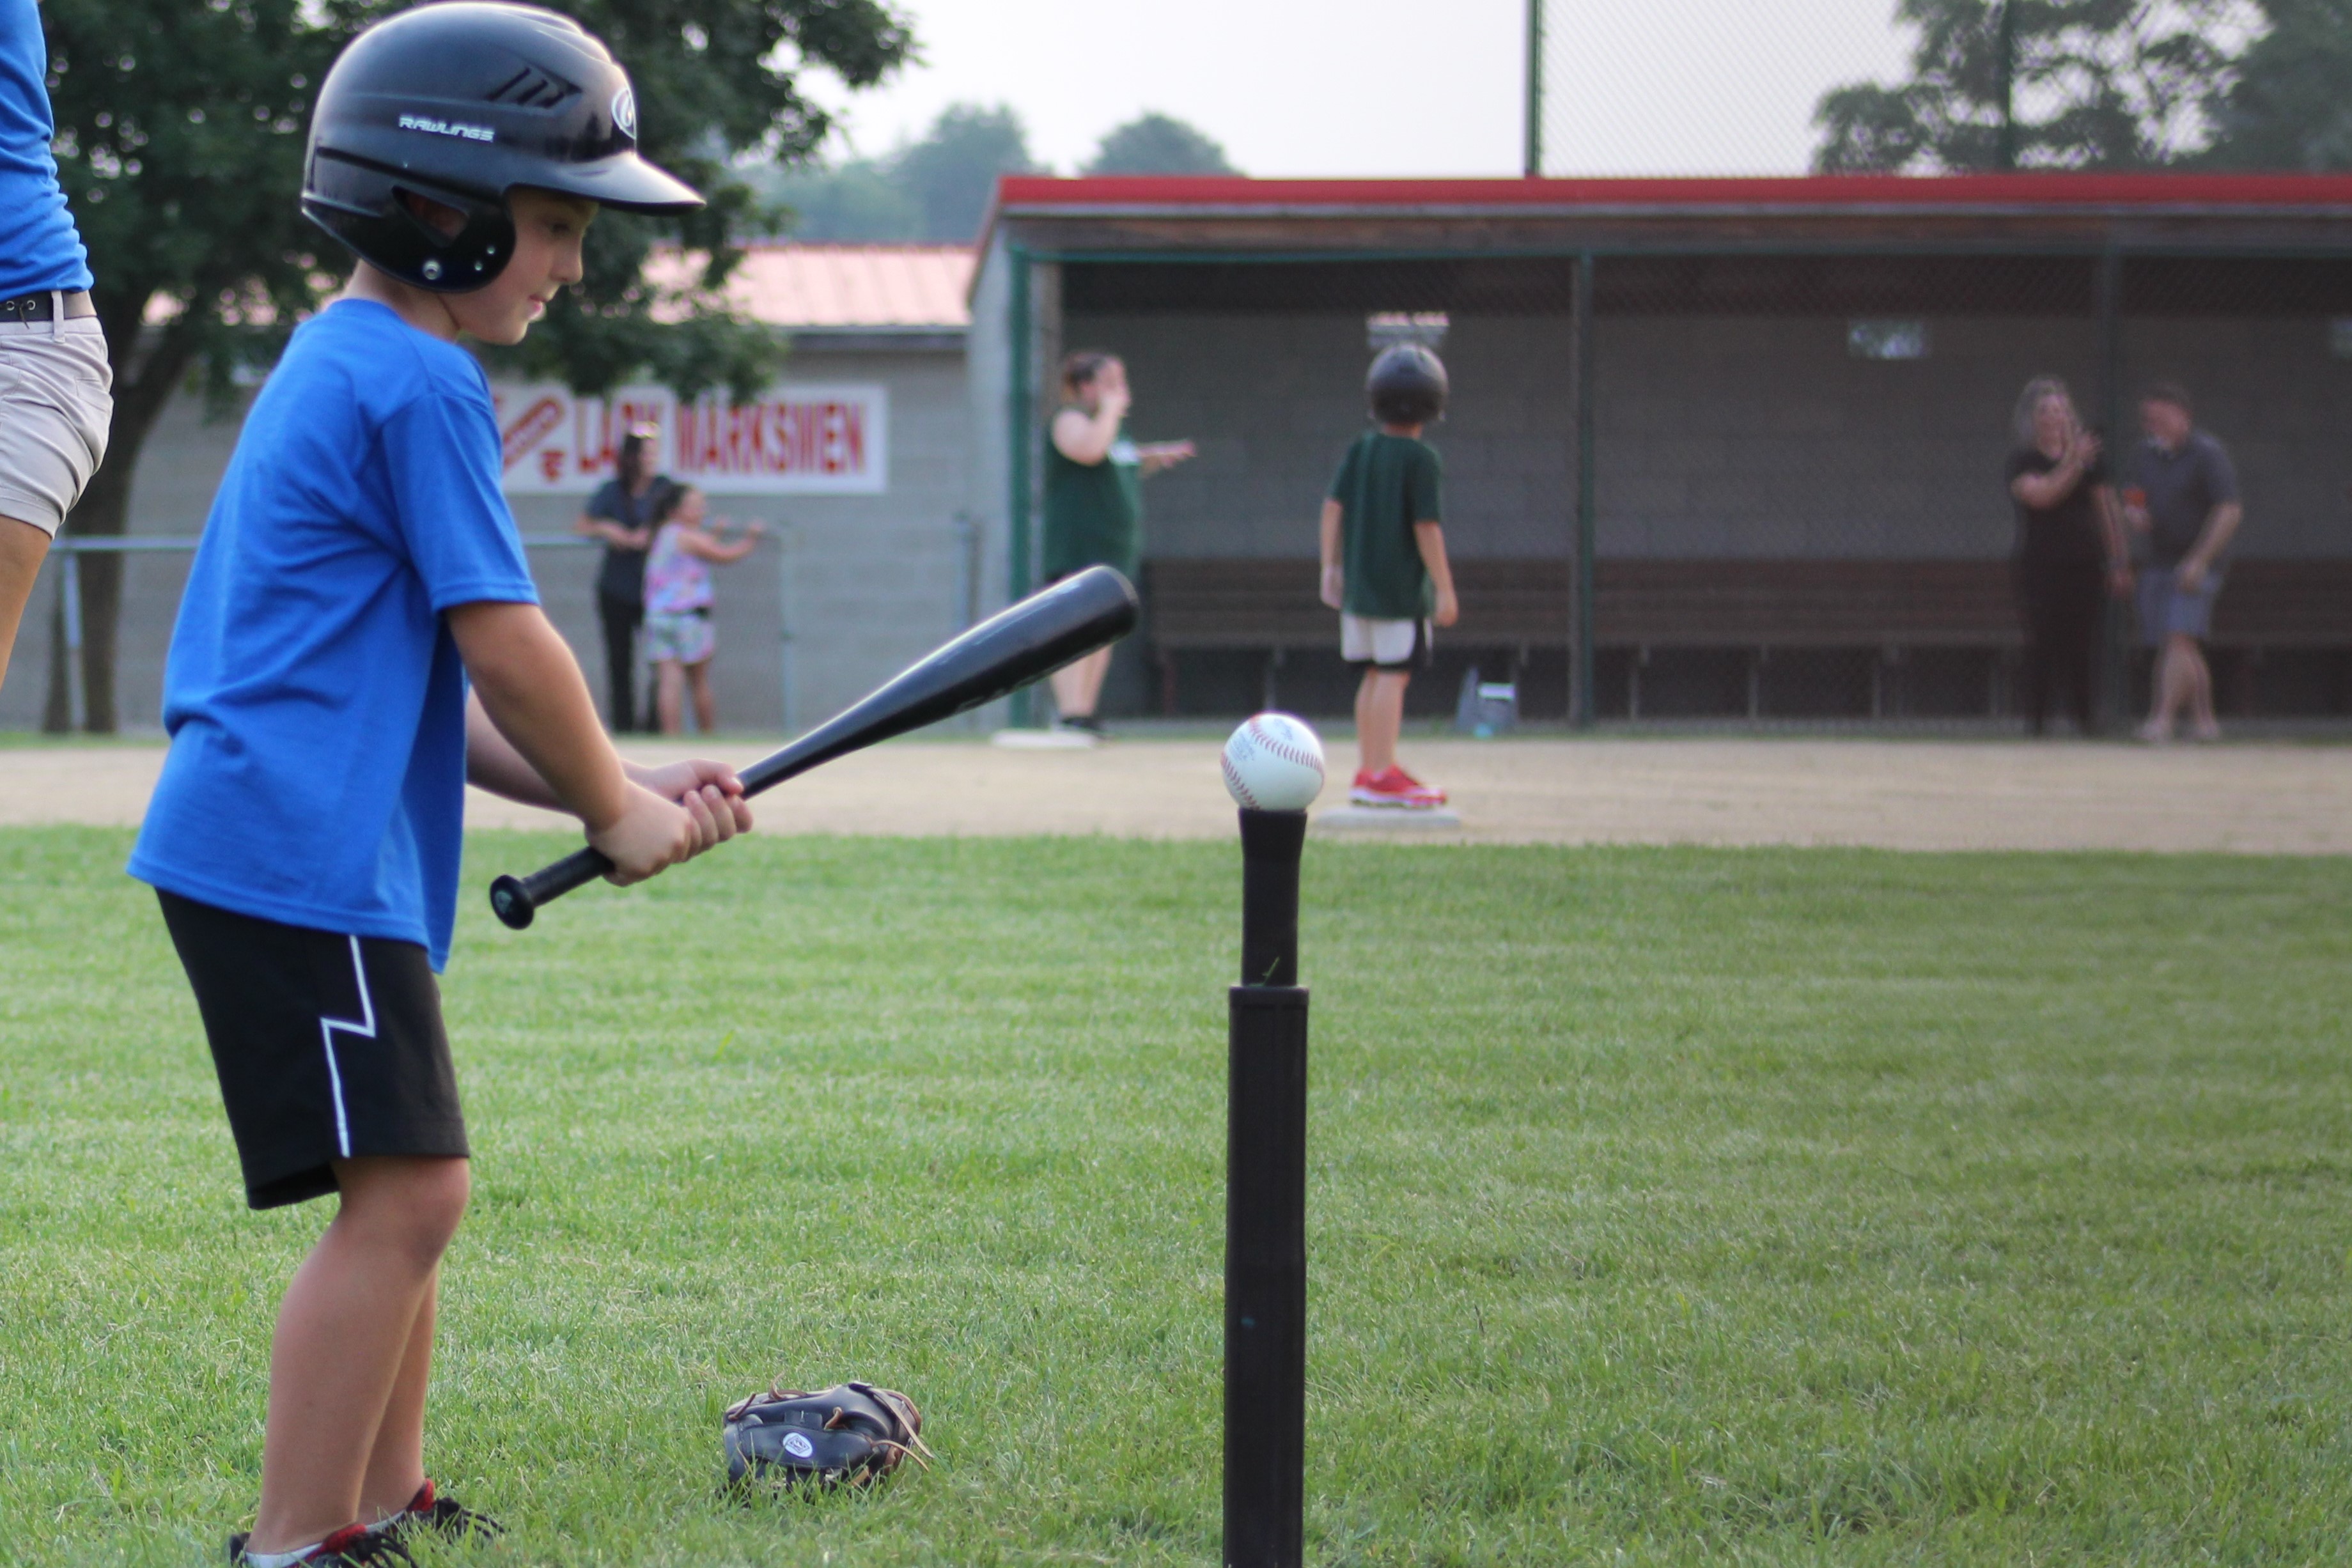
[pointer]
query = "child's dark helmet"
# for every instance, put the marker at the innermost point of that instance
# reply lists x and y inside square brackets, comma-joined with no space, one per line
[1407,385]
[460,103]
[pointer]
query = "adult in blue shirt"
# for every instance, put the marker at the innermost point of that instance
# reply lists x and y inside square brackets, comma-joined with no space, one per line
[56,387]
[2185,504]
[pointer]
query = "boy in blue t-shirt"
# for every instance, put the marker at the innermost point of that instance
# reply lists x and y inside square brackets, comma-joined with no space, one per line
[359,568]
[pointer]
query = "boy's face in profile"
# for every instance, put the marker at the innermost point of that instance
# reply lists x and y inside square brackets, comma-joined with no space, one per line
[549,230]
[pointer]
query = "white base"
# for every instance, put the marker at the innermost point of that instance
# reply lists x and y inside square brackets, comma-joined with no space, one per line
[1378,818]
[1044,741]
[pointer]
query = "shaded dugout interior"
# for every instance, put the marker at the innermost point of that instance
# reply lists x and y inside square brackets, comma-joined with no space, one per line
[1780,435]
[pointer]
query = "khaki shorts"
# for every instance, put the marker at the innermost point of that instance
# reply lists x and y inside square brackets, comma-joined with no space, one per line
[56,404]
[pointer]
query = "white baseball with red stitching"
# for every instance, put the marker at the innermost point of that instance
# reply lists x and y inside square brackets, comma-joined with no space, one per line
[1274,763]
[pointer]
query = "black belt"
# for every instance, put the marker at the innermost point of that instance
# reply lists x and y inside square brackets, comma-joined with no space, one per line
[43,305]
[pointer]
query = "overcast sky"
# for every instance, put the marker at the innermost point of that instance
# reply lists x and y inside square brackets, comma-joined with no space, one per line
[1396,86]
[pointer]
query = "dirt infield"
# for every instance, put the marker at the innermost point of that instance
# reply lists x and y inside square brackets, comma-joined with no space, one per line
[1899,794]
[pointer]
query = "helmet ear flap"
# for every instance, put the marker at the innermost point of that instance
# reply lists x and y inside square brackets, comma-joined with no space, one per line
[365,208]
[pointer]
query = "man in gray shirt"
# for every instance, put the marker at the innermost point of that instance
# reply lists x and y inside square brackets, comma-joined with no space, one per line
[2184,499]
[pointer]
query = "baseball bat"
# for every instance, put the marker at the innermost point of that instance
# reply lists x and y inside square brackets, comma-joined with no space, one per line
[1021,644]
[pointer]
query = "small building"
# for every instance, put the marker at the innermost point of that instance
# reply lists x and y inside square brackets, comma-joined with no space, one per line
[1718,447]
[855,458]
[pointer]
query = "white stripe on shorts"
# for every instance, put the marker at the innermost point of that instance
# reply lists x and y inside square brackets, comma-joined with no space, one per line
[365,1029]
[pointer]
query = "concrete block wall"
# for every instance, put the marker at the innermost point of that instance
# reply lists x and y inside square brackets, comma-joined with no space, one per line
[1273,402]
[865,584]
[1717,437]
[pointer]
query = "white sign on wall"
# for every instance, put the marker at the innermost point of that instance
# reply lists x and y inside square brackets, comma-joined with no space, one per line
[796,440]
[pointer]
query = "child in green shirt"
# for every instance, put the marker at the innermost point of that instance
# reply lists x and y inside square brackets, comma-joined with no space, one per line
[1384,566]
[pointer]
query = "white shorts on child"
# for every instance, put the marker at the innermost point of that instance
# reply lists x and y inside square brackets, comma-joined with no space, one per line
[1389,645]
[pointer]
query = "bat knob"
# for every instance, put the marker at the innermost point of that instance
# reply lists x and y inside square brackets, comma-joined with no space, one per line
[512,903]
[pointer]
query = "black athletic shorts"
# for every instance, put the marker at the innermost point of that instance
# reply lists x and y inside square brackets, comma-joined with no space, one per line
[328,1047]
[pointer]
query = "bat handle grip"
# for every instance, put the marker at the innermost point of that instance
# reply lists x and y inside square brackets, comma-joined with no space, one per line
[516,898]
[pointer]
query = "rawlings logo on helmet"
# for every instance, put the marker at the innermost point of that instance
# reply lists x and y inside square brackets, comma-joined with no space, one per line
[624,111]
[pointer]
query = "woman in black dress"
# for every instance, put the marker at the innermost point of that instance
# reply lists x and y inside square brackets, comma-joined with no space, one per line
[621,513]
[2070,551]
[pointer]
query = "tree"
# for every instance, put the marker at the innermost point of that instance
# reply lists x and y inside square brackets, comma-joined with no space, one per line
[2288,109]
[181,126]
[2107,84]
[1156,144]
[951,173]
[855,200]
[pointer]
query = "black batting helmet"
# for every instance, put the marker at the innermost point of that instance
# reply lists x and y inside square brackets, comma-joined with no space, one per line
[1407,385]
[460,103]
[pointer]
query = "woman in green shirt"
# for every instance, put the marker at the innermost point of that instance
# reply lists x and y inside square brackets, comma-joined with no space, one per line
[1094,503]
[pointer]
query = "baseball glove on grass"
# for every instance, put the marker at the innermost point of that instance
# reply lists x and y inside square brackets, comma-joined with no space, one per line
[853,1434]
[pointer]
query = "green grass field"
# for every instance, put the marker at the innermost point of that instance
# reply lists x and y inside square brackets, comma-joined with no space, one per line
[1667,1207]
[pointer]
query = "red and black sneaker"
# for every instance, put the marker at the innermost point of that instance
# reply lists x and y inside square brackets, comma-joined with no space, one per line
[442,1516]
[353,1546]
[1394,788]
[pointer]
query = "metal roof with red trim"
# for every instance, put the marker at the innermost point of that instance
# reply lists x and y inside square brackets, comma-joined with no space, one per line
[833,288]
[1119,211]
[2029,190]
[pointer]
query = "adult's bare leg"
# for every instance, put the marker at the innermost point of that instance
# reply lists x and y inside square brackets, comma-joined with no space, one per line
[1079,686]
[344,1339]
[2167,692]
[23,547]
[2202,723]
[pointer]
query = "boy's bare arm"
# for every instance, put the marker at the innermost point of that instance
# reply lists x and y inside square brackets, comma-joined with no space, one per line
[1334,578]
[1429,537]
[492,763]
[530,691]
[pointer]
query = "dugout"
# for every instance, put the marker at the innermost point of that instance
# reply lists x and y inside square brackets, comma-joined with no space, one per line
[1718,448]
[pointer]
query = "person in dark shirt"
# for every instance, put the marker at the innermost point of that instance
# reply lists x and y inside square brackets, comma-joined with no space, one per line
[2184,502]
[2070,551]
[1094,506]
[621,513]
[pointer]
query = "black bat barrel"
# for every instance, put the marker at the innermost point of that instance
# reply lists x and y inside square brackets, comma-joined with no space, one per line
[1266,1207]
[1021,644]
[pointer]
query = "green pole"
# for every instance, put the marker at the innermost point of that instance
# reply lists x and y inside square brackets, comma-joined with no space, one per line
[1581,711]
[1019,415]
[2115,694]
[1535,90]
[2005,155]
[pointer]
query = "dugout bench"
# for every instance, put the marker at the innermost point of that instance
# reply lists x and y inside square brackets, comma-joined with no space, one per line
[1888,610]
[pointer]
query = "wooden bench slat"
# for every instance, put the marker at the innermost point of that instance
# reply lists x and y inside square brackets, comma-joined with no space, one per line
[1271,603]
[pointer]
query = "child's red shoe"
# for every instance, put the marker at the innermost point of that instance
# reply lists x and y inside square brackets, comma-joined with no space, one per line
[1394,788]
